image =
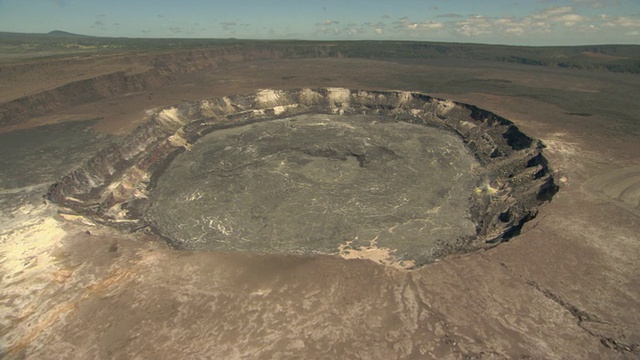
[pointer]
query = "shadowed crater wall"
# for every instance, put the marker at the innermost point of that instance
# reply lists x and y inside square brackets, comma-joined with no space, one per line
[333,171]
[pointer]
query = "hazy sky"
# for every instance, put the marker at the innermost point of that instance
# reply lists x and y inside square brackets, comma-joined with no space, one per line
[523,22]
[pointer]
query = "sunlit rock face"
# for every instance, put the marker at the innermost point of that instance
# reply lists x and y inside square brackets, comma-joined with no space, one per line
[399,177]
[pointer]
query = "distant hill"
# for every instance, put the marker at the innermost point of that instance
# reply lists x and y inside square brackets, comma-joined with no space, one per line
[4,35]
[60,33]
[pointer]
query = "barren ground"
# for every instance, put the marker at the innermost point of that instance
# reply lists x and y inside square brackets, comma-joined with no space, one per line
[566,288]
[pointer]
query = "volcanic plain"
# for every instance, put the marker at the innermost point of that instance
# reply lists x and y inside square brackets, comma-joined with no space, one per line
[81,280]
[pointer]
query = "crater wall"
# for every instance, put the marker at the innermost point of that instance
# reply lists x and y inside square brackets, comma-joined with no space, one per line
[114,185]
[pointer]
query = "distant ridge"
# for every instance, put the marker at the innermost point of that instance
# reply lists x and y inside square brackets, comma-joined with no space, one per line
[610,57]
[60,33]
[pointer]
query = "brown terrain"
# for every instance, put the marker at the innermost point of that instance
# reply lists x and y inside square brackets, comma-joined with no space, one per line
[568,287]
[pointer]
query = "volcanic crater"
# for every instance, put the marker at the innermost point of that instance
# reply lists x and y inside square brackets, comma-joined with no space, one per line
[398,177]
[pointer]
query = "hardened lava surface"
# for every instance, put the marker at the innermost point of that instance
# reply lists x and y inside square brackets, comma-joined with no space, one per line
[314,183]
[398,177]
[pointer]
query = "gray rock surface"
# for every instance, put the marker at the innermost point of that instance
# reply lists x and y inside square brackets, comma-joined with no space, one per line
[312,183]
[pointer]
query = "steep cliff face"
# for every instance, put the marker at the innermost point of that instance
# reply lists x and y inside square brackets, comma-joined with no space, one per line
[114,186]
[78,92]
[160,69]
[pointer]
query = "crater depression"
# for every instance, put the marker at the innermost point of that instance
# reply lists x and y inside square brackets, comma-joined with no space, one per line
[397,177]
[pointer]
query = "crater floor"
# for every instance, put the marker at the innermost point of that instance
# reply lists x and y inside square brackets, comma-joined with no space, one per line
[320,184]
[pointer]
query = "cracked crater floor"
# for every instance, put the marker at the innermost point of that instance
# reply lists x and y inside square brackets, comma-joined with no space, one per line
[359,179]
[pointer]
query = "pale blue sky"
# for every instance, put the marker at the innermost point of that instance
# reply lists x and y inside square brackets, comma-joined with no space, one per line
[520,22]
